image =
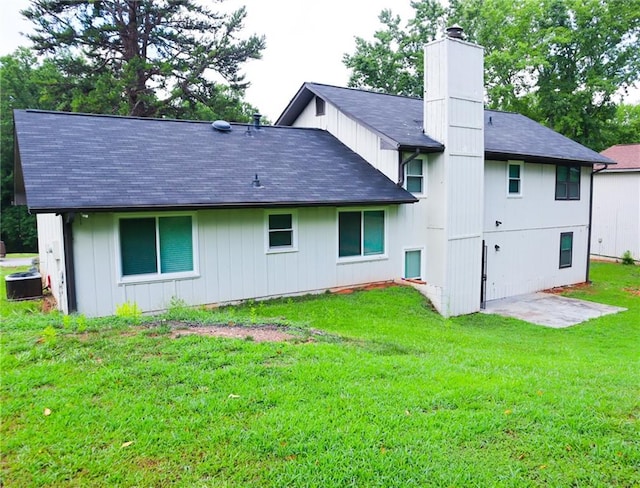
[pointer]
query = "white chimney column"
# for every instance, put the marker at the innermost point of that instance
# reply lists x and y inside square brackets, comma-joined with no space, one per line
[454,115]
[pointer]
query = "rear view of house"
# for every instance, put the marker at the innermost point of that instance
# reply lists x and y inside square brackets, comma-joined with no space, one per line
[350,187]
[616,204]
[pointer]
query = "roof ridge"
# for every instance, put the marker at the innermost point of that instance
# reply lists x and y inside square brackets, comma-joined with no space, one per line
[363,90]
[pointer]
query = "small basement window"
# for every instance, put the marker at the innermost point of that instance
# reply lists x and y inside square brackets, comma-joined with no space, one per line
[566,249]
[320,106]
[156,245]
[413,264]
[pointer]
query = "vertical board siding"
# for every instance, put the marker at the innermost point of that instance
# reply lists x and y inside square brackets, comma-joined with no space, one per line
[232,262]
[616,214]
[51,256]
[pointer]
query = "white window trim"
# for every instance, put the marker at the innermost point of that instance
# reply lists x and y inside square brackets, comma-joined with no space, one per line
[294,231]
[422,261]
[515,163]
[158,276]
[423,193]
[362,257]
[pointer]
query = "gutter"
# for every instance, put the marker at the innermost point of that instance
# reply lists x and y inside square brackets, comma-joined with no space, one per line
[606,165]
[69,264]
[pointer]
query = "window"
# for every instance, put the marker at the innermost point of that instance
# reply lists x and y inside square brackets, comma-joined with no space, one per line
[566,249]
[156,245]
[413,264]
[567,182]
[360,233]
[281,232]
[514,179]
[319,106]
[413,176]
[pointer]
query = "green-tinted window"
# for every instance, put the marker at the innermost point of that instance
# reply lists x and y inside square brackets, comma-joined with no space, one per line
[514,179]
[373,232]
[280,230]
[349,233]
[176,244]
[567,182]
[361,233]
[138,246]
[566,249]
[412,264]
[141,238]
[414,176]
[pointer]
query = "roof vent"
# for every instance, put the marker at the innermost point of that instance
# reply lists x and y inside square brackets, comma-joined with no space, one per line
[221,125]
[455,32]
[256,182]
[256,120]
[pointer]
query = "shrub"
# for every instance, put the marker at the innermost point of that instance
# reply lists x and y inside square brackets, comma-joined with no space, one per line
[627,258]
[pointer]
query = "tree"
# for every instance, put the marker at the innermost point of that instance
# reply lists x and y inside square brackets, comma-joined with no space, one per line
[26,83]
[561,62]
[146,57]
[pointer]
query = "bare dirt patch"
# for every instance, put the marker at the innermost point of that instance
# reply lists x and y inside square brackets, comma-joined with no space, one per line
[633,291]
[257,333]
[584,286]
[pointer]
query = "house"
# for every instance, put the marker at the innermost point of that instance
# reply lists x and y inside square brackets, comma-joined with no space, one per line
[350,187]
[616,204]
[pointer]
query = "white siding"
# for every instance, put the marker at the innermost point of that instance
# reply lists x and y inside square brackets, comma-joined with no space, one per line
[616,214]
[529,231]
[355,136]
[232,262]
[51,256]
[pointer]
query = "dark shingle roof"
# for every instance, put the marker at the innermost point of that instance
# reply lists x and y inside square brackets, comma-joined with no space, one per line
[399,120]
[91,162]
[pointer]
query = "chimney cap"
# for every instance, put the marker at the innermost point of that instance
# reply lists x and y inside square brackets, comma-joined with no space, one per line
[455,32]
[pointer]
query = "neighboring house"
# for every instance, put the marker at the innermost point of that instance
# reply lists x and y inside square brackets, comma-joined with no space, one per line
[616,204]
[143,210]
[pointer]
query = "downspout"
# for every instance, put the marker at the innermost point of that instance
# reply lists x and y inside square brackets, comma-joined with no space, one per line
[69,265]
[403,163]
[606,165]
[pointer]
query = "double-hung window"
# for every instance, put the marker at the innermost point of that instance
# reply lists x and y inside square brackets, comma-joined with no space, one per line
[567,182]
[414,176]
[281,231]
[156,245]
[514,179]
[361,233]
[566,249]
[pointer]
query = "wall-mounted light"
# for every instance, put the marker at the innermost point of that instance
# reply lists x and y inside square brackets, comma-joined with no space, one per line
[498,223]
[496,247]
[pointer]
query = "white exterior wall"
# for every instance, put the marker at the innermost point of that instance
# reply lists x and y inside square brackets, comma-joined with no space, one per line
[529,234]
[51,256]
[454,115]
[355,136]
[231,260]
[616,214]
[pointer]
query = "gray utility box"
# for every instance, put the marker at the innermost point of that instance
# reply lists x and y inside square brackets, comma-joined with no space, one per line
[24,285]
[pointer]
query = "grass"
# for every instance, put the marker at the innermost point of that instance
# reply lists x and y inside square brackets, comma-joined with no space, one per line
[391,395]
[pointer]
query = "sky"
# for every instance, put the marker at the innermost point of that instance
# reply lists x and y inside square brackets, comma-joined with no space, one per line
[306,41]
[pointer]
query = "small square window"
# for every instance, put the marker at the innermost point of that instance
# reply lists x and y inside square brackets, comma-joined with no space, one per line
[566,249]
[281,232]
[413,264]
[414,177]
[320,106]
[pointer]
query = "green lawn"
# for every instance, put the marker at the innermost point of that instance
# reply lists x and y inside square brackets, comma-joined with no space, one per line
[391,394]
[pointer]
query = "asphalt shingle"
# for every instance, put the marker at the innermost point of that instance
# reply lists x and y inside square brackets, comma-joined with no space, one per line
[91,162]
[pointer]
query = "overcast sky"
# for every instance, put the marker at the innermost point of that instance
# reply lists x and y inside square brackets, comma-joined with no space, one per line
[305,42]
